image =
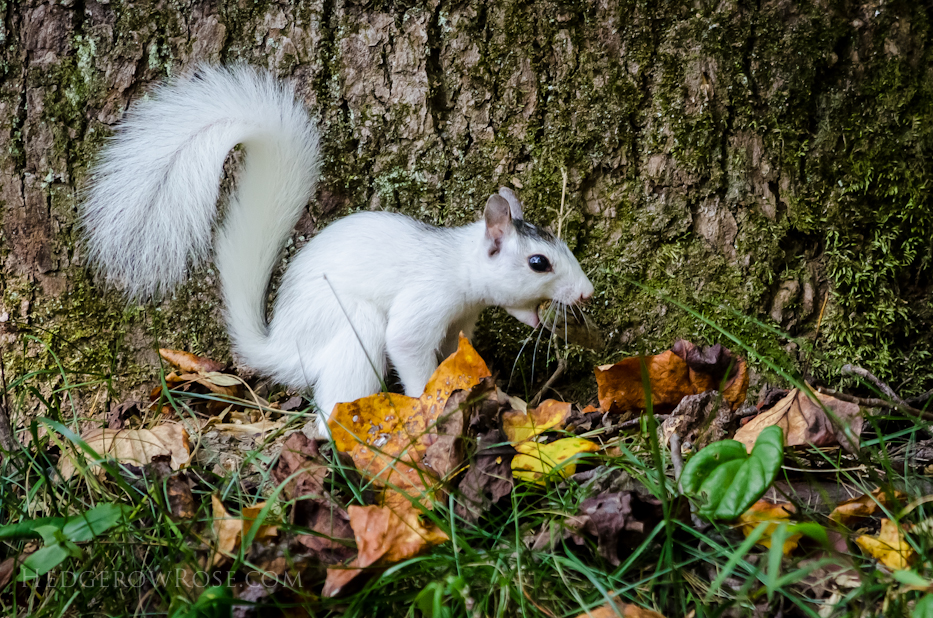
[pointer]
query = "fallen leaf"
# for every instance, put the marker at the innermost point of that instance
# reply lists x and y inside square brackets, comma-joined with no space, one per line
[536,461]
[135,446]
[119,413]
[303,470]
[672,375]
[715,368]
[889,547]
[488,480]
[229,531]
[180,499]
[617,519]
[384,535]
[8,566]
[388,434]
[806,423]
[701,419]
[520,426]
[866,505]
[776,513]
[188,362]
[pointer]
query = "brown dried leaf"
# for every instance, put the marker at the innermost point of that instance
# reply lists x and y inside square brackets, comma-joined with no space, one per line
[617,519]
[188,362]
[520,426]
[776,513]
[890,547]
[384,534]
[684,370]
[136,446]
[300,464]
[8,566]
[701,419]
[180,498]
[866,505]
[488,480]
[804,422]
[229,531]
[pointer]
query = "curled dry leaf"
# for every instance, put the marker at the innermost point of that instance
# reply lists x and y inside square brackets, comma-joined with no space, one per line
[805,422]
[388,434]
[535,461]
[617,520]
[135,446]
[889,547]
[229,531]
[776,513]
[672,375]
[188,362]
[866,505]
[701,420]
[520,426]
[384,534]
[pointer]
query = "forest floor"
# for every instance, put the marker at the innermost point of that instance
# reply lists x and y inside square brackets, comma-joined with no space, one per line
[675,495]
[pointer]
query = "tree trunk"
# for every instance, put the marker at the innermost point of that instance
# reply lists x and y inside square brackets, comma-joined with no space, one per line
[752,160]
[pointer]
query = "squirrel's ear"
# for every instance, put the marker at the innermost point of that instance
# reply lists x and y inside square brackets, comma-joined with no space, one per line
[515,205]
[498,222]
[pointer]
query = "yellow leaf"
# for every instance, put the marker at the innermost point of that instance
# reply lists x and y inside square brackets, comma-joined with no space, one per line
[889,547]
[388,434]
[863,506]
[779,513]
[535,461]
[520,426]
[136,446]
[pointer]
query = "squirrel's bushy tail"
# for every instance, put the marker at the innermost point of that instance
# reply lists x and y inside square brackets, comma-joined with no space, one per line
[151,204]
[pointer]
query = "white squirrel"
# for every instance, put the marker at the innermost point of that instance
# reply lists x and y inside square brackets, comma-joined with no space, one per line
[370,287]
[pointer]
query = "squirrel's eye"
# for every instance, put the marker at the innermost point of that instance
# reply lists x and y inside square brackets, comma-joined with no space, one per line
[539,264]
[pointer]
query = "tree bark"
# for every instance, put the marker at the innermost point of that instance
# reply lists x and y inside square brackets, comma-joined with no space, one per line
[754,160]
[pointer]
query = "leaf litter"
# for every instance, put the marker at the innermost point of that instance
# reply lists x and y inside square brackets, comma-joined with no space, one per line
[466,439]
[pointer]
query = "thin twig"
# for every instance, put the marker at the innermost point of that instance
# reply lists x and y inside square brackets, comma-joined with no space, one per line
[873,402]
[561,368]
[676,458]
[660,418]
[853,370]
[919,400]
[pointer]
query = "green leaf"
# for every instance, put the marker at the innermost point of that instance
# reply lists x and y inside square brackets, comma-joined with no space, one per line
[95,522]
[214,602]
[42,561]
[910,578]
[727,480]
[707,460]
[31,528]
[923,608]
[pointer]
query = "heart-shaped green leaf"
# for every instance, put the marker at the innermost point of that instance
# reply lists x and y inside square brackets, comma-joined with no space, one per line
[727,480]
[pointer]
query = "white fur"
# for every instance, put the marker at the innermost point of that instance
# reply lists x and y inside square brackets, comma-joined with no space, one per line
[370,287]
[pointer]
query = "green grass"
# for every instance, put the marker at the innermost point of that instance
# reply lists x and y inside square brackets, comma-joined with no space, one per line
[149,565]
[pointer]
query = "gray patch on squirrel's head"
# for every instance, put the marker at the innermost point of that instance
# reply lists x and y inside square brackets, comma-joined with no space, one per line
[533,232]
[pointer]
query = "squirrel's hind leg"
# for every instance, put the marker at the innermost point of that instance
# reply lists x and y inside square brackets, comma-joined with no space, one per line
[350,366]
